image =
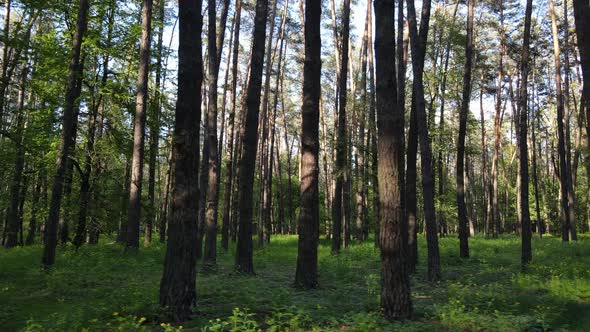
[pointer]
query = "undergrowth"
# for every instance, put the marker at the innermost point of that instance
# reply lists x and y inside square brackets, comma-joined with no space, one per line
[101,288]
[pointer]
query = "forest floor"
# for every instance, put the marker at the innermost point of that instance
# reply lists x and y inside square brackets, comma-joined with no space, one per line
[102,288]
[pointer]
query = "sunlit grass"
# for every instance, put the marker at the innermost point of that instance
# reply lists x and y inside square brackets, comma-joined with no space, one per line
[484,293]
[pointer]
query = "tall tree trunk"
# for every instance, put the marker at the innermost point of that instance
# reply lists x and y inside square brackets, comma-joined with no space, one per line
[67,215]
[411,200]
[497,130]
[534,162]
[524,214]
[85,187]
[564,174]
[327,187]
[411,211]
[272,131]
[177,288]
[486,186]
[134,213]
[373,131]
[213,169]
[154,140]
[89,169]
[441,127]
[581,14]
[418,46]
[309,215]
[94,229]
[244,248]
[340,199]
[266,186]
[203,176]
[396,300]
[229,166]
[12,222]
[361,210]
[69,118]
[571,198]
[461,207]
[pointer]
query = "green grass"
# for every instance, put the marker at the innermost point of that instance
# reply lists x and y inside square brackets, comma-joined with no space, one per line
[103,289]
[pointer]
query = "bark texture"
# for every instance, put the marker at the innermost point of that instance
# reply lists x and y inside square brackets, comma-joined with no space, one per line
[309,215]
[177,287]
[395,288]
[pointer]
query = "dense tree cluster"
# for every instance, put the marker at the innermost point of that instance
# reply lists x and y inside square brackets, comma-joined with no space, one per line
[247,119]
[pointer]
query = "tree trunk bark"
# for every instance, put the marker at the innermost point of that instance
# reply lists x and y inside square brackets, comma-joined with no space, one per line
[361,210]
[497,130]
[373,131]
[155,129]
[396,300]
[461,206]
[230,164]
[534,162]
[309,215]
[177,288]
[17,176]
[85,188]
[526,252]
[134,213]
[418,46]
[581,14]
[266,184]
[571,194]
[564,174]
[69,118]
[340,199]
[244,252]
[209,259]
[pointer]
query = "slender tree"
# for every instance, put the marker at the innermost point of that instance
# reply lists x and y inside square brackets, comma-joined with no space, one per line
[525,219]
[17,175]
[564,175]
[340,198]
[244,250]
[229,166]
[213,169]
[441,126]
[497,129]
[373,130]
[85,190]
[461,206]
[69,119]
[418,46]
[361,207]
[134,213]
[156,110]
